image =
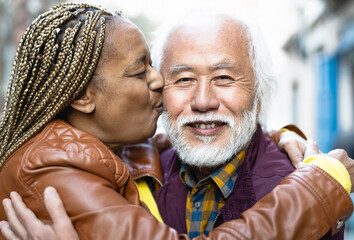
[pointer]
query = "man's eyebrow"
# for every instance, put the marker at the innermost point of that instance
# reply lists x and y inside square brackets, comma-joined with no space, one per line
[222,65]
[179,68]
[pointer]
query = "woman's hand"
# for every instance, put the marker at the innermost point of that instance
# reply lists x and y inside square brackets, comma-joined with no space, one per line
[293,145]
[23,223]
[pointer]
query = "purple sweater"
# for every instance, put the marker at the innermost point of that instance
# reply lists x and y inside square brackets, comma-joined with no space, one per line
[263,168]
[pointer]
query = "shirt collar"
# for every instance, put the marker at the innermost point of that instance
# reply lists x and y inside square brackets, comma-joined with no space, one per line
[223,177]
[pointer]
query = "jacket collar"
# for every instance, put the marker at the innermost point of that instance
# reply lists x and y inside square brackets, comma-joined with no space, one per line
[143,160]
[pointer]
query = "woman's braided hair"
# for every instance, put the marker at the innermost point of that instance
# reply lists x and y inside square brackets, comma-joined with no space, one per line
[55,59]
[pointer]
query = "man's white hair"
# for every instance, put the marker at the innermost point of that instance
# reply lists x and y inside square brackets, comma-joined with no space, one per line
[259,55]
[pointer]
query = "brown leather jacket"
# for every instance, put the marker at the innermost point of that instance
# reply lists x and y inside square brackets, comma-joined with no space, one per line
[102,200]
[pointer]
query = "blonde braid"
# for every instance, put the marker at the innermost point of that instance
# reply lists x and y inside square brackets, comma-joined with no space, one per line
[55,60]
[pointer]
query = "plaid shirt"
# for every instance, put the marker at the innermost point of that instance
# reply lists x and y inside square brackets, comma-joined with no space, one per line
[206,197]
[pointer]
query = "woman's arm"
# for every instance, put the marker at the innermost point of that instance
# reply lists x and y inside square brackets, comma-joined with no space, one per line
[305,205]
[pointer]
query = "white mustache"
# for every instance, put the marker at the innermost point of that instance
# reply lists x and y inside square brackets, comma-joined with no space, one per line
[207,117]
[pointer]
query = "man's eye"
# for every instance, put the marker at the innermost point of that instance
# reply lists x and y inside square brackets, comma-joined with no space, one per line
[224,77]
[184,80]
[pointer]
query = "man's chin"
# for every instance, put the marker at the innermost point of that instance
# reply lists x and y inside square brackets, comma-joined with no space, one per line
[196,143]
[195,140]
[204,155]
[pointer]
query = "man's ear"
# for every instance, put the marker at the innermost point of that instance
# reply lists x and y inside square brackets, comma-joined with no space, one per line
[85,102]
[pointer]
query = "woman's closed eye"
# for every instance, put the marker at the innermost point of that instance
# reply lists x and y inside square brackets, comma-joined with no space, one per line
[141,74]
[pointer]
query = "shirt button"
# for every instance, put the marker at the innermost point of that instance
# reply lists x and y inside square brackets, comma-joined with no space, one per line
[339,224]
[197,204]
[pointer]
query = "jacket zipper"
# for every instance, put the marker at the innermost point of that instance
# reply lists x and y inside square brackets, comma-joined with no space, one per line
[216,218]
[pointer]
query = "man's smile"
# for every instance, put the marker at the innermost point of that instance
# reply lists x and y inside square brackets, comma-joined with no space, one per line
[206,128]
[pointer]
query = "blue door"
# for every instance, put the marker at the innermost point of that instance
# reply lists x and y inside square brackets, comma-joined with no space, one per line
[327,102]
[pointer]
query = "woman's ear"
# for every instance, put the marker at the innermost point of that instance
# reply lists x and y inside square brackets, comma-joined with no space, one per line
[85,102]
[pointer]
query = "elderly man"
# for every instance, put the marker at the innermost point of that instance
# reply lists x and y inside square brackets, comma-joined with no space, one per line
[218,83]
[216,86]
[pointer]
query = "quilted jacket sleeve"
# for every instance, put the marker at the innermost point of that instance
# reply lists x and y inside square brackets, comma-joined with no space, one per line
[102,201]
[299,208]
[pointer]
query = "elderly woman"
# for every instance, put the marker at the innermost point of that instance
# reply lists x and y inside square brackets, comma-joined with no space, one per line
[81,87]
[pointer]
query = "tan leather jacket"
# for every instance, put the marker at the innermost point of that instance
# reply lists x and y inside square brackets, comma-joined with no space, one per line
[143,160]
[102,200]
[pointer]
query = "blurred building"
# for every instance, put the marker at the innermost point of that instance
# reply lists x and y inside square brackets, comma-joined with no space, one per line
[15,16]
[318,83]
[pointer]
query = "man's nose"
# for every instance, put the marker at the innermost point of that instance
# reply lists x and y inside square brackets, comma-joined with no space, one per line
[204,97]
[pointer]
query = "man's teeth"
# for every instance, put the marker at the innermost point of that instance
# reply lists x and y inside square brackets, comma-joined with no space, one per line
[207,125]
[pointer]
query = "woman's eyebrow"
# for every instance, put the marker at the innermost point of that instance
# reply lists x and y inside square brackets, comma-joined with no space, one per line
[141,59]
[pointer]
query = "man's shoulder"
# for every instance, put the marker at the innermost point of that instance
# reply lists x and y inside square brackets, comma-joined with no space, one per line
[268,165]
[170,163]
[168,154]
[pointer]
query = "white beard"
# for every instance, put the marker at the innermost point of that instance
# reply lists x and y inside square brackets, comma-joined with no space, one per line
[206,154]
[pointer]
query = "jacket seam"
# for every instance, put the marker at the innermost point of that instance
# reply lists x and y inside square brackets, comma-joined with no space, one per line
[318,196]
[30,187]
[313,190]
[117,177]
[231,231]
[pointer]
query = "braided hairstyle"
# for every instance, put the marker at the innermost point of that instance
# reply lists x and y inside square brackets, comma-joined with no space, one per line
[55,60]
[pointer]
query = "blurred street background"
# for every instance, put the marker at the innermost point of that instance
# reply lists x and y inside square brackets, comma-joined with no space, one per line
[311,42]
